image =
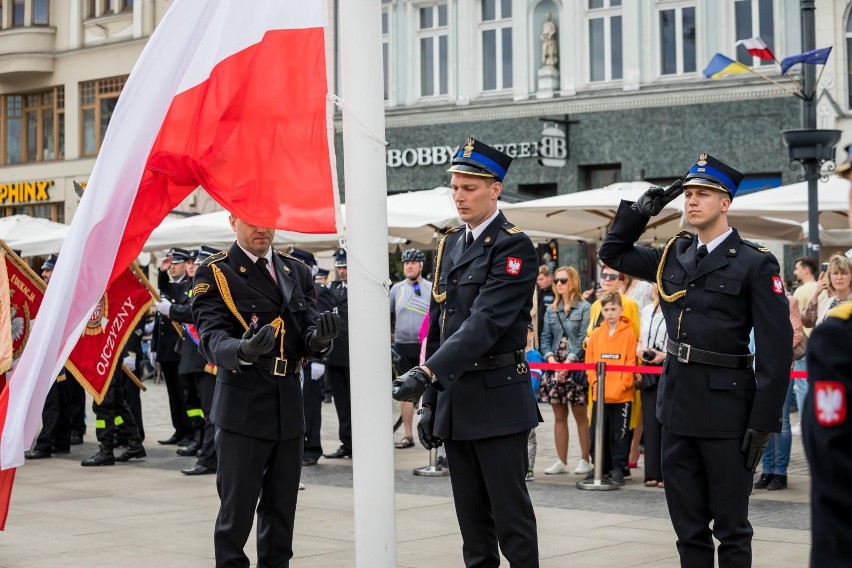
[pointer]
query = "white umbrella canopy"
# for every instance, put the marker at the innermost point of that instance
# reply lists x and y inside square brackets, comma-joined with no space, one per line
[791,202]
[422,216]
[32,235]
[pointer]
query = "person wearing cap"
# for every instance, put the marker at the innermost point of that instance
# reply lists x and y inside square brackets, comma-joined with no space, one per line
[716,402]
[337,365]
[409,302]
[475,381]
[827,427]
[313,373]
[174,288]
[197,378]
[257,314]
[321,277]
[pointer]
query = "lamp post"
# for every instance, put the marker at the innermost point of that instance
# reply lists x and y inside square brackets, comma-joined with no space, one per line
[808,146]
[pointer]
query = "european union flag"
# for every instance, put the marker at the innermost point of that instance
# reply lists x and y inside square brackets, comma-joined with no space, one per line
[815,56]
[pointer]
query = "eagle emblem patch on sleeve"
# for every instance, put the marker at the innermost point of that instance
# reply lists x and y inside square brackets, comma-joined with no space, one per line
[830,403]
[777,285]
[513,265]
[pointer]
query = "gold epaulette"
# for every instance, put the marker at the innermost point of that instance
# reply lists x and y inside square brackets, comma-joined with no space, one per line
[671,298]
[843,311]
[512,229]
[291,257]
[756,246]
[214,258]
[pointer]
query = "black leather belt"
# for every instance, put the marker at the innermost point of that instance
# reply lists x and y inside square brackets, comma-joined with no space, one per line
[497,361]
[689,354]
[278,366]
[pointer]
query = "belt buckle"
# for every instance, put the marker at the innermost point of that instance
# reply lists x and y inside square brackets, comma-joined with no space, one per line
[280,367]
[683,358]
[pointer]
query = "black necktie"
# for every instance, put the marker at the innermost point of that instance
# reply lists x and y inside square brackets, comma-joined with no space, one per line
[468,240]
[700,254]
[261,264]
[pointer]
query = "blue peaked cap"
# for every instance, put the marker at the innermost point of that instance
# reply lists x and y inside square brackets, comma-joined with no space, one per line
[714,174]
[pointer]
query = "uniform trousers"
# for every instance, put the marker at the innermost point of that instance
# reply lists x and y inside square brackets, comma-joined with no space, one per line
[312,396]
[251,469]
[651,432]
[134,401]
[76,396]
[192,403]
[205,386]
[492,502]
[113,414]
[180,421]
[706,479]
[55,432]
[339,377]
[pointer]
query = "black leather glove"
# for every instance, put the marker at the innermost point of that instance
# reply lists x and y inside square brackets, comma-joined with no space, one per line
[754,443]
[409,386]
[652,201]
[425,427]
[253,345]
[328,326]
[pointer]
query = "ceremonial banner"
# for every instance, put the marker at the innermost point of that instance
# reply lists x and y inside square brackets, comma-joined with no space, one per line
[228,95]
[5,322]
[25,293]
[98,351]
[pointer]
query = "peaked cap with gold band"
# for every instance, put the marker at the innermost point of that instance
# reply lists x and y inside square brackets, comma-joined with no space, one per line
[475,158]
[713,174]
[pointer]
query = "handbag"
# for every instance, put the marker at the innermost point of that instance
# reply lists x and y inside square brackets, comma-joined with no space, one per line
[580,376]
[801,348]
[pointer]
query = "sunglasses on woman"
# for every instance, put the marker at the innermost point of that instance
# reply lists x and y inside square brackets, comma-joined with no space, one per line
[561,280]
[609,276]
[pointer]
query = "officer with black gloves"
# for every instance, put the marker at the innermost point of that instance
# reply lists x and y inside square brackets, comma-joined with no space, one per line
[256,311]
[716,403]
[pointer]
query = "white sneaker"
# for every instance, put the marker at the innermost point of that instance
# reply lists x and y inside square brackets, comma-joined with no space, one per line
[583,467]
[796,429]
[530,476]
[557,467]
[301,486]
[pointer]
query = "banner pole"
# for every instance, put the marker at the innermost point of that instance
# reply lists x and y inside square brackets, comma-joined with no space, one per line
[133,378]
[154,292]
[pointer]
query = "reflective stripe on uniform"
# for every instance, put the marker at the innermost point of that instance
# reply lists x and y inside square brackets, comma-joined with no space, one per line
[195,412]
[100,424]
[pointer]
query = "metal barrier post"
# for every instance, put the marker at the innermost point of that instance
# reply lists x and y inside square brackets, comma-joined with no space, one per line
[598,483]
[431,470]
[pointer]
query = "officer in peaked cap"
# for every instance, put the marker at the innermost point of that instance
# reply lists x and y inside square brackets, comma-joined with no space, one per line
[337,364]
[475,381]
[716,402]
[340,258]
[321,277]
[179,255]
[49,265]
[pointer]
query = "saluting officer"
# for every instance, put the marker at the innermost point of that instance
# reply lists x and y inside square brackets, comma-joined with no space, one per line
[256,312]
[716,408]
[827,430]
[477,396]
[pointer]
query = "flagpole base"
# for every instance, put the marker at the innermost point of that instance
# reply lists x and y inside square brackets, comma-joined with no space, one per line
[597,485]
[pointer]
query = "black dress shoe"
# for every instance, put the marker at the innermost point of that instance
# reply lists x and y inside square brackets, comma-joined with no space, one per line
[76,439]
[339,454]
[185,442]
[778,482]
[327,399]
[197,470]
[171,441]
[61,450]
[137,452]
[37,454]
[190,450]
[99,459]
[764,481]
[309,460]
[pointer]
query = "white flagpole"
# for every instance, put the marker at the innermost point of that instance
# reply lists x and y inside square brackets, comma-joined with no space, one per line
[369,316]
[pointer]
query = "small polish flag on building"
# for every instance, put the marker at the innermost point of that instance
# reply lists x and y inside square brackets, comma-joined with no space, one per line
[758,48]
[228,95]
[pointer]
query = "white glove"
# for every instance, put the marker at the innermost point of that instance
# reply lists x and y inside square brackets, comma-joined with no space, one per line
[149,327]
[130,361]
[317,371]
[152,356]
[163,307]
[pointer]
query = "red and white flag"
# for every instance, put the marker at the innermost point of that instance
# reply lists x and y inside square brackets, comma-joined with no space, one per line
[228,95]
[758,48]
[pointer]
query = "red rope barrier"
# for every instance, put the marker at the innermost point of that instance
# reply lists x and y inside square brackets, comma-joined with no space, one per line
[650,369]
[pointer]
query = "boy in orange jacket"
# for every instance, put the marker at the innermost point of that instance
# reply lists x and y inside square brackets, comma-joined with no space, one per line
[614,343]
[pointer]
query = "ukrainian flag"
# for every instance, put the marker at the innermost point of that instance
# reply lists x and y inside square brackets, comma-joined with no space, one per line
[721,65]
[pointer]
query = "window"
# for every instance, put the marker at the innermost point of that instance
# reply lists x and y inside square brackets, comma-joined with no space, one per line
[52,211]
[605,46]
[595,177]
[754,18]
[125,5]
[434,50]
[677,40]
[34,125]
[538,190]
[386,51]
[17,13]
[40,12]
[97,103]
[496,31]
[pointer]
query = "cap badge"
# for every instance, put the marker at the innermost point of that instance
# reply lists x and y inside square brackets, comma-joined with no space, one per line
[242,269]
[468,149]
[702,159]
[487,240]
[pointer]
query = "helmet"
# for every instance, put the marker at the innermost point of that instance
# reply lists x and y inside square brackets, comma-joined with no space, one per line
[413,255]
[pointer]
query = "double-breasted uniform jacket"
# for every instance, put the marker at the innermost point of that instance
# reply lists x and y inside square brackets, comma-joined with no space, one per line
[165,339]
[230,292]
[337,298]
[714,308]
[480,307]
[191,359]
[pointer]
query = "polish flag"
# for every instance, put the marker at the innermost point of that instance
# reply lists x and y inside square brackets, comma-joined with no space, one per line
[758,48]
[228,95]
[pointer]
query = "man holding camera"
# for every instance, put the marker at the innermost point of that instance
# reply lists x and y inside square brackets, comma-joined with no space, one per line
[257,316]
[716,403]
